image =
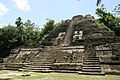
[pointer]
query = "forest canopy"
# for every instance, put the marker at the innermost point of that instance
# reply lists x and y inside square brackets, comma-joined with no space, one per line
[23,34]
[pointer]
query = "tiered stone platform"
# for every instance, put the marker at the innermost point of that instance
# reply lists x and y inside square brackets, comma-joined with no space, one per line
[75,46]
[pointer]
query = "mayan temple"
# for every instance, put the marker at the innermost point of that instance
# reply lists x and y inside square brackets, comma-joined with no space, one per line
[77,45]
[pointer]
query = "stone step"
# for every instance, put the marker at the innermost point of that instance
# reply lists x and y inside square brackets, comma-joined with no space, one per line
[91,70]
[59,71]
[46,57]
[27,65]
[92,73]
[90,55]
[41,66]
[49,56]
[30,49]
[90,58]
[66,71]
[45,53]
[67,64]
[16,63]
[91,62]
[13,68]
[91,67]
[48,71]
[39,60]
[42,71]
[44,62]
[38,68]
[33,67]
[42,58]
[73,47]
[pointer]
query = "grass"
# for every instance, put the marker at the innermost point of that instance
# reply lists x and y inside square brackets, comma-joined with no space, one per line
[3,71]
[57,76]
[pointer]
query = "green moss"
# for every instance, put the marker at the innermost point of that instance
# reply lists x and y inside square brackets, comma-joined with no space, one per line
[3,71]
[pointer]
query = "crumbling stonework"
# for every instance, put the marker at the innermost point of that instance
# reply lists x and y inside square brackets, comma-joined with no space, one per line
[76,45]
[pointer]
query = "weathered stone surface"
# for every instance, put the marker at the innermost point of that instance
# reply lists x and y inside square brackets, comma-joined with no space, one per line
[67,66]
[14,51]
[76,45]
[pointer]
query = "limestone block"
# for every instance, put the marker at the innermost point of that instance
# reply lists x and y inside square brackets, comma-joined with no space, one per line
[88,16]
[104,53]
[116,46]
[103,48]
[14,51]
[115,67]
[78,17]
[105,59]
[67,66]
[105,67]
[77,57]
[63,57]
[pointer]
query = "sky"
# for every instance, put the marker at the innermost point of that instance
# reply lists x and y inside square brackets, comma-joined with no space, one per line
[39,10]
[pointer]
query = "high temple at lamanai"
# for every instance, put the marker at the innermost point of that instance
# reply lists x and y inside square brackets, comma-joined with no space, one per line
[77,45]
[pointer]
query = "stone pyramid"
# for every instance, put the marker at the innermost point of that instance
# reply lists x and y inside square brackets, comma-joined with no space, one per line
[77,45]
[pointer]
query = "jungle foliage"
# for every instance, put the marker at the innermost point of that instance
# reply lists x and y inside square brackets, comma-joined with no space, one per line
[110,19]
[23,34]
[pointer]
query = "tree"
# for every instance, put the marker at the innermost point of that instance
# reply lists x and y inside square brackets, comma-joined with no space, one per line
[48,27]
[8,39]
[27,32]
[19,24]
[31,33]
[116,11]
[24,34]
[109,20]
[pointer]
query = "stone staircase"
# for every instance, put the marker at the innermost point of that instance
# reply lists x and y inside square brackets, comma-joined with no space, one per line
[91,66]
[14,66]
[91,63]
[66,67]
[39,67]
[42,62]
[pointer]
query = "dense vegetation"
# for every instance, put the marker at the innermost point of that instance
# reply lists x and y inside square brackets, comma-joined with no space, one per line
[111,20]
[23,34]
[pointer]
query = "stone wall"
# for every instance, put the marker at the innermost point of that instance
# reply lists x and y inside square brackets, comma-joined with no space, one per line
[22,55]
